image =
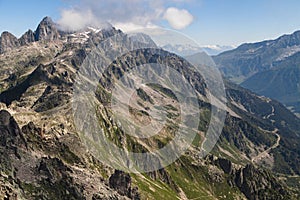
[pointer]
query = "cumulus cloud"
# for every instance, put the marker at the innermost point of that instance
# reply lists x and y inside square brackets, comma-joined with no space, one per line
[130,26]
[124,14]
[178,19]
[74,20]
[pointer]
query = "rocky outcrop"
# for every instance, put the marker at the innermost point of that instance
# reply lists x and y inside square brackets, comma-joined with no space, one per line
[259,184]
[121,182]
[27,38]
[226,165]
[163,175]
[8,42]
[10,133]
[32,167]
[46,30]
[255,183]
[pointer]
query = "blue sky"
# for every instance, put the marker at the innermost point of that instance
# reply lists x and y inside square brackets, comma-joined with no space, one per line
[223,22]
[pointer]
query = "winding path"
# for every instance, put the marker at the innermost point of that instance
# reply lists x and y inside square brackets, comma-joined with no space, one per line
[272,113]
[275,131]
[267,151]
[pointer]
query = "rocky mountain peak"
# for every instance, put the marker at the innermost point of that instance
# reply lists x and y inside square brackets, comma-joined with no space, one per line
[47,30]
[47,19]
[8,41]
[27,37]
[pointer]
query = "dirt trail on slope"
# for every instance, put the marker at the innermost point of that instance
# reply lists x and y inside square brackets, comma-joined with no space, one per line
[267,151]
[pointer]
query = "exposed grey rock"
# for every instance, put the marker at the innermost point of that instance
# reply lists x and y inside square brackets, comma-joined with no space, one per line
[27,38]
[226,165]
[143,38]
[259,184]
[46,30]
[163,175]
[10,133]
[216,175]
[8,42]
[24,175]
[121,182]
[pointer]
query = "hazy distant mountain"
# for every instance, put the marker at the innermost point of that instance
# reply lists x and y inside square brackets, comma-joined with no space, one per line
[216,49]
[248,59]
[282,82]
[187,50]
[269,68]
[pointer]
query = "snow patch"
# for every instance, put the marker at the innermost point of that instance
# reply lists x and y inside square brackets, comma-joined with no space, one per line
[289,51]
[254,50]
[83,36]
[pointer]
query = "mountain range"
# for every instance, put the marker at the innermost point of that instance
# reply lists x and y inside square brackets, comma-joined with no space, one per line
[269,68]
[44,32]
[43,155]
[188,49]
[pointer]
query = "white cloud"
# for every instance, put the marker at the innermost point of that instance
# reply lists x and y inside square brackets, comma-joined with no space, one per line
[127,27]
[125,14]
[74,20]
[178,19]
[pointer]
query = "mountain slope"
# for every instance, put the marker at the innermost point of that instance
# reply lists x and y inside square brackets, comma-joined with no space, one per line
[48,155]
[248,59]
[269,68]
[281,83]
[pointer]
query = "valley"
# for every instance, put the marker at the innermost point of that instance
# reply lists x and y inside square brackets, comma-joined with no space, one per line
[269,68]
[48,139]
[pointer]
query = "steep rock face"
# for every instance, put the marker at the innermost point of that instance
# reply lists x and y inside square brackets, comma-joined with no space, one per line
[46,30]
[259,184]
[121,182]
[27,38]
[253,182]
[33,167]
[8,41]
[10,131]
[225,165]
[38,173]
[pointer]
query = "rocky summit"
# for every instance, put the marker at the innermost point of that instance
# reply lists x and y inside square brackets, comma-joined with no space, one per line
[8,42]
[43,155]
[46,31]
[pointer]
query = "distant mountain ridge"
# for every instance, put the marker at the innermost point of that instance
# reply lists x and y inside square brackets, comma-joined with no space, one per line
[188,50]
[250,58]
[217,49]
[269,68]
